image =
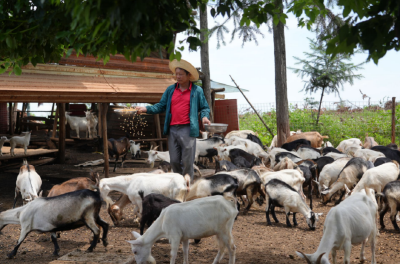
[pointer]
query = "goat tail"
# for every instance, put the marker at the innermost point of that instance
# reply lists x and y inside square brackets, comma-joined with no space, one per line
[396,163]
[325,137]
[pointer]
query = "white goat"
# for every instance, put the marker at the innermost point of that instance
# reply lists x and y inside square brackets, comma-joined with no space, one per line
[251,147]
[240,133]
[376,178]
[2,141]
[223,151]
[154,154]
[308,153]
[171,185]
[351,222]
[368,154]
[135,149]
[273,152]
[22,140]
[279,193]
[77,123]
[293,178]
[330,173]
[328,144]
[196,219]
[336,156]
[28,183]
[91,124]
[348,143]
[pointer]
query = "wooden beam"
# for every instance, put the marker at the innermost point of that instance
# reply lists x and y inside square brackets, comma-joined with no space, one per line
[158,130]
[104,108]
[61,135]
[55,123]
[220,96]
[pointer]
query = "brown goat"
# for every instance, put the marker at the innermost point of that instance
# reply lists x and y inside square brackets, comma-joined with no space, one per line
[117,147]
[369,142]
[314,137]
[75,185]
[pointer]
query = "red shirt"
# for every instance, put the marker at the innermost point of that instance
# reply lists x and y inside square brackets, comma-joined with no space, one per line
[180,106]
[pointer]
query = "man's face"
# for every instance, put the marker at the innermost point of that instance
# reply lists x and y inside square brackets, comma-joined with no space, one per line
[182,76]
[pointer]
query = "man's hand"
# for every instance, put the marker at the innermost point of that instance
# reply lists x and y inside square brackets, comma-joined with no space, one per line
[141,109]
[206,121]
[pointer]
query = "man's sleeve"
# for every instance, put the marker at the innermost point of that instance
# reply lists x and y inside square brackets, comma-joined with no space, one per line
[204,108]
[159,107]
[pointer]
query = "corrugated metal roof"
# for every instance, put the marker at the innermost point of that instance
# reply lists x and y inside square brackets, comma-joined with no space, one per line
[63,84]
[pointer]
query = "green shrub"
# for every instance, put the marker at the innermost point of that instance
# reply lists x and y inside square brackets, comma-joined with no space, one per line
[335,124]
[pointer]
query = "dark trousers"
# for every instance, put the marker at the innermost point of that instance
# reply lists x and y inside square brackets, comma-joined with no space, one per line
[182,149]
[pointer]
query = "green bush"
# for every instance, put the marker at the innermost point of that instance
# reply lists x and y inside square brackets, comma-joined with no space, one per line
[335,124]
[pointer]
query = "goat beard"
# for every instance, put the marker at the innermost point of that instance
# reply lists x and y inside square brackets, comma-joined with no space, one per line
[152,165]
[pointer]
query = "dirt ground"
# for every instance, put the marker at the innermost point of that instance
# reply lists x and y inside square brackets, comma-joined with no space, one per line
[255,241]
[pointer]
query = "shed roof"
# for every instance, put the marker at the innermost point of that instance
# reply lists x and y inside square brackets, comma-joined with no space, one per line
[64,84]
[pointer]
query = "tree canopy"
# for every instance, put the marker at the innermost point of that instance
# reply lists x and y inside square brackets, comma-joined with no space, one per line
[41,31]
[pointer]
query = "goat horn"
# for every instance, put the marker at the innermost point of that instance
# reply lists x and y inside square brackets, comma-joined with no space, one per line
[319,258]
[305,257]
[155,148]
[151,147]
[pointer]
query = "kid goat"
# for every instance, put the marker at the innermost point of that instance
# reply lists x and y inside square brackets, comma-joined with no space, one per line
[22,140]
[196,219]
[65,212]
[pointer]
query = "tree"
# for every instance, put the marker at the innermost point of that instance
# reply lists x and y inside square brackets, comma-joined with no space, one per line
[325,74]
[39,31]
[204,56]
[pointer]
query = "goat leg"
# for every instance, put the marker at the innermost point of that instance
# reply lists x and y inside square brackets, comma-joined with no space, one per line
[273,214]
[24,232]
[267,212]
[56,247]
[288,224]
[116,159]
[294,219]
[382,214]
[105,226]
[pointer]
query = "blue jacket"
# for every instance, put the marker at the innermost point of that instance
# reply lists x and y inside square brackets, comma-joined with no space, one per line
[198,103]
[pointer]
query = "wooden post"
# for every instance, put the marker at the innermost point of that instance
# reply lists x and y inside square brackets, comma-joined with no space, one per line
[55,123]
[158,130]
[393,119]
[67,128]
[18,124]
[11,118]
[61,135]
[104,108]
[100,122]
[52,109]
[24,106]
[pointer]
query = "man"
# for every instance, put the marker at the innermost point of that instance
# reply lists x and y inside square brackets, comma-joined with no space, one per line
[182,103]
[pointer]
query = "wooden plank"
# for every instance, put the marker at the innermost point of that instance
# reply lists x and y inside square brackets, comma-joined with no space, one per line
[66,140]
[104,109]
[220,96]
[61,136]
[19,153]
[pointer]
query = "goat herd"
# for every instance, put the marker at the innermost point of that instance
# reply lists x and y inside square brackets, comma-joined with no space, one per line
[182,208]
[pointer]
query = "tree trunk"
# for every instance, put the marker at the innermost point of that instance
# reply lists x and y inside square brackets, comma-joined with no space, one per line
[282,110]
[320,102]
[204,55]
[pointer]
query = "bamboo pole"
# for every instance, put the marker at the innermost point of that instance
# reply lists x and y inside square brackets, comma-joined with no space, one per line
[393,119]
[270,131]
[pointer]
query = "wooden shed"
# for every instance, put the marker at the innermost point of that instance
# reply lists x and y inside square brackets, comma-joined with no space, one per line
[85,80]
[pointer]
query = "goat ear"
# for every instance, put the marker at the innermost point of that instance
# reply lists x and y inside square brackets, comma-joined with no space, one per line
[136,234]
[134,242]
[324,186]
[347,188]
[41,193]
[302,255]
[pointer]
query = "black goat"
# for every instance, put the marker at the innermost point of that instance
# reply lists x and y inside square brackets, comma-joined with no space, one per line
[152,206]
[224,165]
[294,144]
[255,139]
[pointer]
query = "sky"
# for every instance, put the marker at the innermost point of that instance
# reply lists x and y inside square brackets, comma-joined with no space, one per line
[252,67]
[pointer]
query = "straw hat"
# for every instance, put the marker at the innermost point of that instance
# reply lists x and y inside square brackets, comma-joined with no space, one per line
[186,66]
